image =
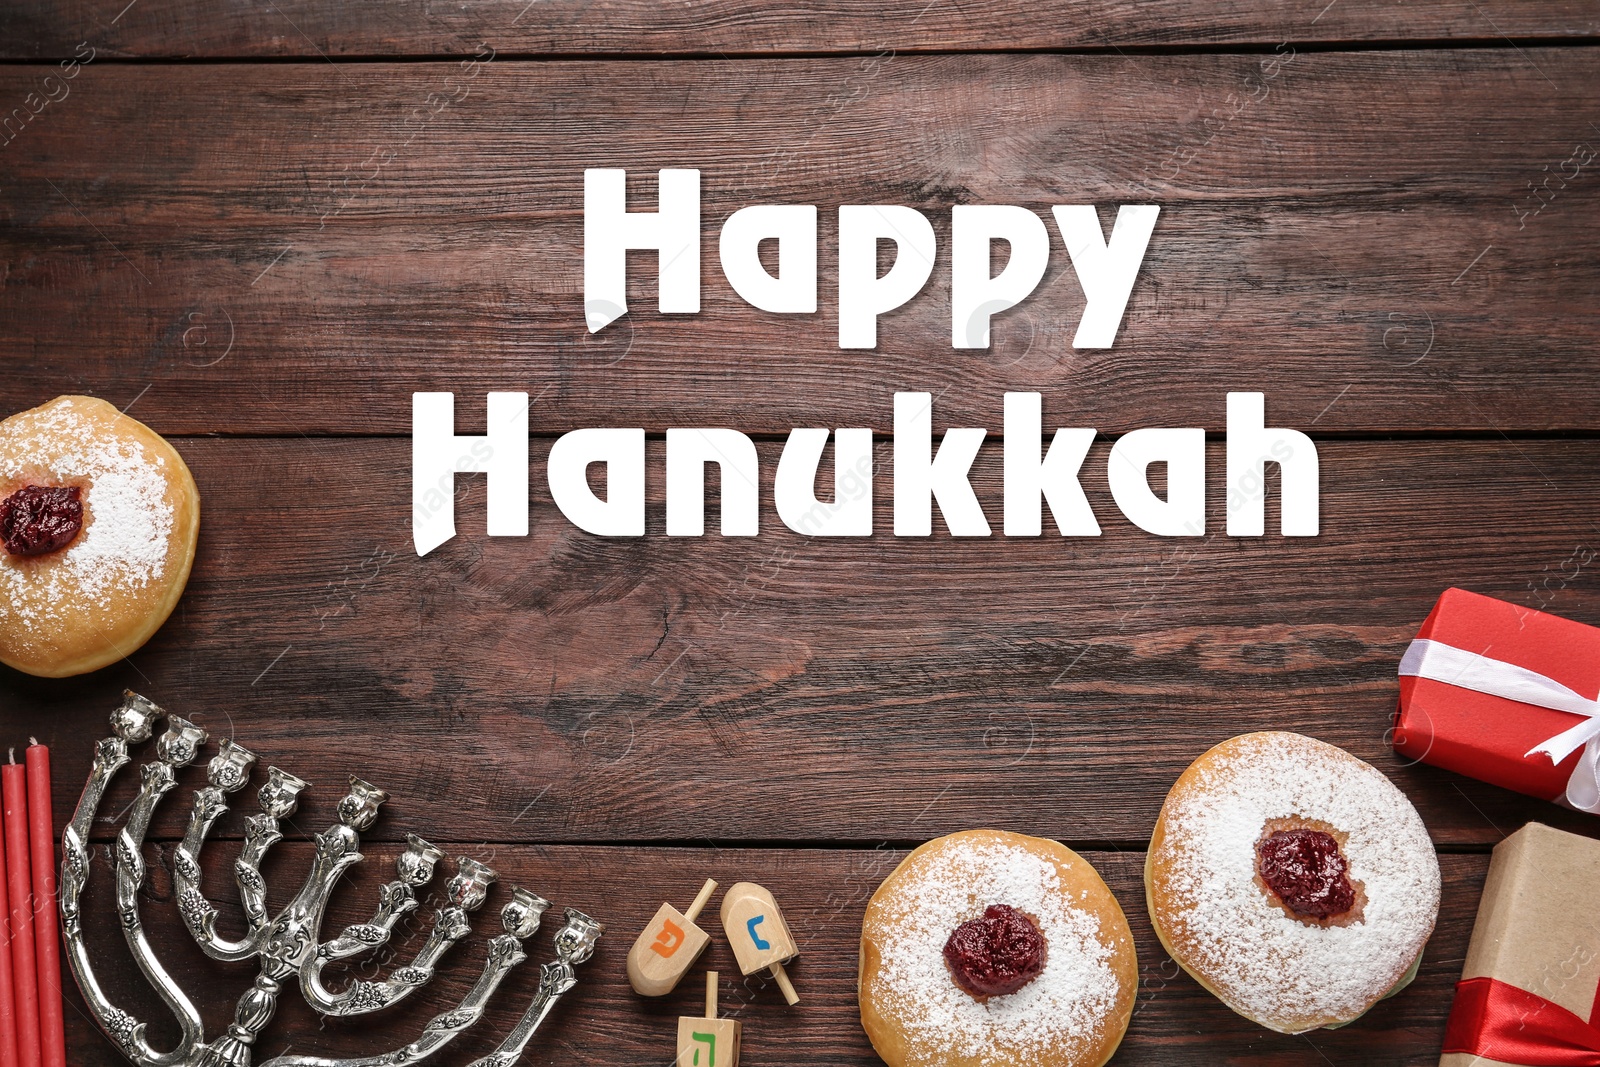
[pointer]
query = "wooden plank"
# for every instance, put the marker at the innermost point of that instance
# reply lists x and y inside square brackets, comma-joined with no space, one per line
[246,248]
[823,893]
[306,28]
[569,688]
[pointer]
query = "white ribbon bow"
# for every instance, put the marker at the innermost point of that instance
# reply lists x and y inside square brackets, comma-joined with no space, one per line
[1440,662]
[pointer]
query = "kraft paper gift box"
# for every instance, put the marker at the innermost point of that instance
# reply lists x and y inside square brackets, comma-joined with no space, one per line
[1506,694]
[1528,992]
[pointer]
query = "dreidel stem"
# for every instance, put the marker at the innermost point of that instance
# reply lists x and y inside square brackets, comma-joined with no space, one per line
[701,900]
[781,976]
[711,989]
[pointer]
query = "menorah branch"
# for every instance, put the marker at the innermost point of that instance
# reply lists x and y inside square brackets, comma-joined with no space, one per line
[132,722]
[521,920]
[466,892]
[229,772]
[174,749]
[575,943]
[395,901]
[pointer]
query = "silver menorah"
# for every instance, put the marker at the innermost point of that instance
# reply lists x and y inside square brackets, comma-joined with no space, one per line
[287,944]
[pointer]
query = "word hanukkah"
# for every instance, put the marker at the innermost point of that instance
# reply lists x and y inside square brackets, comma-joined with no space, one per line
[1106,269]
[1034,477]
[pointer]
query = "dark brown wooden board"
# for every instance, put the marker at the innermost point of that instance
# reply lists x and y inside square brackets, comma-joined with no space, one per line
[1350,244]
[306,28]
[823,893]
[573,688]
[225,227]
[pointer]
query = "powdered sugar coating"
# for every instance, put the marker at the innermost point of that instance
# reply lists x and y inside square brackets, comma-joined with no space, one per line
[1072,1001]
[128,516]
[1285,973]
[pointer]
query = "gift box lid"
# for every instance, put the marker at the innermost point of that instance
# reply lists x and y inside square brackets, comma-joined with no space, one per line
[1555,647]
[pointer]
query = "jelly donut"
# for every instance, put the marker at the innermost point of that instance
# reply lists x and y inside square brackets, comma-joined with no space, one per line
[98,520]
[1292,880]
[989,949]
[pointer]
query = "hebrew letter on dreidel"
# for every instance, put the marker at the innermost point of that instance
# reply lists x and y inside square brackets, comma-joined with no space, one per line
[746,907]
[701,1040]
[668,946]
[669,940]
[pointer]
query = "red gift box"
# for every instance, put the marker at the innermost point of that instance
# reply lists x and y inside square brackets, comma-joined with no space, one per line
[1491,737]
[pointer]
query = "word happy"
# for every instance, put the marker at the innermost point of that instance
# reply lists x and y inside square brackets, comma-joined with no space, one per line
[1038,475]
[1106,269]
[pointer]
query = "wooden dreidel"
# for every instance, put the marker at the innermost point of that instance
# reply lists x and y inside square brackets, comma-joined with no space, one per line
[758,934]
[668,947]
[708,1042]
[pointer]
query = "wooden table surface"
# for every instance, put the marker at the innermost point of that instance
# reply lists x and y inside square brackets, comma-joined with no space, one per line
[260,227]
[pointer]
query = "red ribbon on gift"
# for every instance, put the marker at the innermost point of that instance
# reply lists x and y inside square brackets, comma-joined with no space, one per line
[1491,1018]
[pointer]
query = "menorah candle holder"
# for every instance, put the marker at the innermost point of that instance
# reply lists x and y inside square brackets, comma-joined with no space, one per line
[287,946]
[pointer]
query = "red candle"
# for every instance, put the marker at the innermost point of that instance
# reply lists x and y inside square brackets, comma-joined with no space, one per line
[8,1007]
[47,943]
[24,976]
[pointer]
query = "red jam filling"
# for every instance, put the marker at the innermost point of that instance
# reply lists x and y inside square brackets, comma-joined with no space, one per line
[1307,871]
[997,954]
[38,518]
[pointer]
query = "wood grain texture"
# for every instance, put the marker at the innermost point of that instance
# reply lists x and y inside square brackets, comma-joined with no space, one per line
[313,30]
[823,892]
[280,252]
[1350,244]
[569,688]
